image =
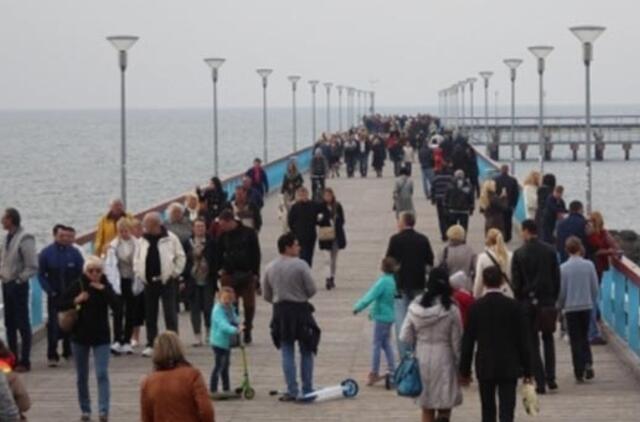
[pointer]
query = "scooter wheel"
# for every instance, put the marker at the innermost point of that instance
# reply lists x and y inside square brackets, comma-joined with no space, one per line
[349,388]
[249,393]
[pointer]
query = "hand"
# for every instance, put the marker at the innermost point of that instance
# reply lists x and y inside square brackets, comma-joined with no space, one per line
[81,298]
[241,328]
[97,285]
[464,381]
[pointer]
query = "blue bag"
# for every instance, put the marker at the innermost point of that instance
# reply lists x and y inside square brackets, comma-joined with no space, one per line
[407,377]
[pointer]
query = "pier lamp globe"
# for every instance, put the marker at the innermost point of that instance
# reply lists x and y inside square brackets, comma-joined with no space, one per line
[486,76]
[587,34]
[541,52]
[215,63]
[471,81]
[313,84]
[327,86]
[123,43]
[294,79]
[264,74]
[513,65]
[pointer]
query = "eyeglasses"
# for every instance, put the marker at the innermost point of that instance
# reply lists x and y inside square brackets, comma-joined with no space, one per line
[94,271]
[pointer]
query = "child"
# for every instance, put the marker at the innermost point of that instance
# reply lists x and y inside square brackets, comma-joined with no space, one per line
[464,298]
[382,295]
[224,325]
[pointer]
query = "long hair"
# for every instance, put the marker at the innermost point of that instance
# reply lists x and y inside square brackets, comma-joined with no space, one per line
[597,221]
[533,179]
[168,352]
[438,287]
[495,242]
[488,188]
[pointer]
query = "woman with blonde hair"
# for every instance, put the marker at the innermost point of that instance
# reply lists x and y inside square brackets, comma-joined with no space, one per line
[458,256]
[495,254]
[191,206]
[175,391]
[530,190]
[493,205]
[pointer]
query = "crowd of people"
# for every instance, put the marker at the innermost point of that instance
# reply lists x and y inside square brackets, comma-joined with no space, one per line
[205,254]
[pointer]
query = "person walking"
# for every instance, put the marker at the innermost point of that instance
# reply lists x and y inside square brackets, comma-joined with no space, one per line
[259,179]
[246,211]
[441,184]
[458,256]
[578,295]
[379,152]
[238,257]
[407,155]
[332,234]
[18,263]
[403,193]
[553,211]
[302,219]
[288,285]
[546,188]
[319,171]
[536,283]
[364,148]
[91,296]
[425,156]
[107,229]
[382,295]
[495,254]
[493,206]
[507,184]
[459,200]
[224,325]
[574,224]
[175,390]
[413,253]
[214,198]
[159,262]
[434,327]
[530,188]
[59,264]
[200,277]
[351,153]
[497,328]
[291,182]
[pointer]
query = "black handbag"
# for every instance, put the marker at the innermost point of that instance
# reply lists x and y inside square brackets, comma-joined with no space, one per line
[546,319]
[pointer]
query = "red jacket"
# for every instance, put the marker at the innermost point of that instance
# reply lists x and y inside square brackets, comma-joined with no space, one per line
[464,300]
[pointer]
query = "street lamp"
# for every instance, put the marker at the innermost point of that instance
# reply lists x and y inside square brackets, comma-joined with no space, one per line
[314,83]
[294,84]
[339,88]
[372,96]
[456,105]
[471,81]
[541,52]
[264,74]
[214,64]
[328,86]
[587,35]
[462,84]
[486,75]
[513,64]
[122,43]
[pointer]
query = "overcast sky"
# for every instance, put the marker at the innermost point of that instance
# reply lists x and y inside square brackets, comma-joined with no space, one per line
[53,53]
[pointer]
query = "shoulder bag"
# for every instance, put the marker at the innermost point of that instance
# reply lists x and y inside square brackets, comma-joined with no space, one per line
[407,377]
[69,318]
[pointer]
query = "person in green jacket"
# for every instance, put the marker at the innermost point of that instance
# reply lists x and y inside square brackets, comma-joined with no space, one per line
[224,325]
[382,295]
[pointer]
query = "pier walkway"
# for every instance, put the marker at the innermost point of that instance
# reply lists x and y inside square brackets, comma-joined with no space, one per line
[345,347]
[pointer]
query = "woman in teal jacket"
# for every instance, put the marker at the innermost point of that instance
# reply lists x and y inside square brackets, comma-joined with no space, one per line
[224,325]
[382,295]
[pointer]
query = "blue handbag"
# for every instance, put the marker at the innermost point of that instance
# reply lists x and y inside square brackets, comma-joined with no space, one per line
[407,377]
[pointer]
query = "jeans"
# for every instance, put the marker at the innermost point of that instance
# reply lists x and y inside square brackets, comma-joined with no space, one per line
[427,177]
[16,319]
[382,342]
[289,369]
[507,396]
[401,306]
[201,302]
[124,314]
[54,335]
[220,369]
[364,164]
[578,327]
[594,330]
[153,293]
[101,362]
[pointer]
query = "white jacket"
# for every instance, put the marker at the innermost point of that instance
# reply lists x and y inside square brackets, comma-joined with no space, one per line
[172,258]
[112,272]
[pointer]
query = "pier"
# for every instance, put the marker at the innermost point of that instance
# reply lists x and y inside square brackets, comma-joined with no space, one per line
[345,346]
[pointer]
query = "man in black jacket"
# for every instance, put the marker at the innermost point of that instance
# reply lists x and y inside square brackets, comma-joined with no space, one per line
[412,251]
[498,324]
[510,184]
[536,284]
[239,259]
[303,219]
[442,182]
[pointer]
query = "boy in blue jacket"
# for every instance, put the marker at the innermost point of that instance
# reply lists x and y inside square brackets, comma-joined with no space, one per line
[382,295]
[224,325]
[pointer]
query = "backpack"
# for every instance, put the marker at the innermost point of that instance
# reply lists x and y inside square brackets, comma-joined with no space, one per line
[407,377]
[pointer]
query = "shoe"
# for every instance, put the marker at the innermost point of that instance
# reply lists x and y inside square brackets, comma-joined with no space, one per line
[552,385]
[287,398]
[116,348]
[598,341]
[126,349]
[134,343]
[197,340]
[589,374]
[85,417]
[21,368]
[541,391]
[579,380]
[53,363]
[147,352]
[104,418]
[247,337]
[373,378]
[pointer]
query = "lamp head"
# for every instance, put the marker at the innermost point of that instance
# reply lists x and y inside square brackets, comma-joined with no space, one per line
[541,51]
[264,73]
[587,33]
[328,85]
[214,62]
[122,42]
[512,63]
[486,74]
[293,79]
[471,80]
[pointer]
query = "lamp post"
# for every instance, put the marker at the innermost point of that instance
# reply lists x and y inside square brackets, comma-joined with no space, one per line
[214,64]
[456,105]
[349,107]
[471,81]
[264,74]
[372,96]
[513,64]
[122,43]
[446,106]
[541,52]
[587,36]
[486,75]
[339,88]
[313,83]
[294,85]
[328,86]
[462,85]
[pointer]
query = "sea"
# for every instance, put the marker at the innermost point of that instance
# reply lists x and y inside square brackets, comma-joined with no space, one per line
[63,166]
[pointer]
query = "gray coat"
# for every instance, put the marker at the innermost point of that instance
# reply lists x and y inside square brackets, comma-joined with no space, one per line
[460,258]
[18,260]
[403,195]
[437,335]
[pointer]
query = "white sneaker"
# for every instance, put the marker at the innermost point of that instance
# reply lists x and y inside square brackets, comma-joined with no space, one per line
[126,349]
[134,343]
[116,348]
[147,352]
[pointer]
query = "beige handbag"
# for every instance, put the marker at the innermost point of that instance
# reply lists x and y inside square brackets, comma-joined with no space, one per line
[326,233]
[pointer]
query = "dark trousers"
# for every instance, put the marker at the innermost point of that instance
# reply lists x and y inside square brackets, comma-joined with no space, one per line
[124,314]
[54,334]
[155,292]
[351,164]
[16,319]
[307,248]
[220,370]
[247,293]
[317,186]
[200,304]
[506,395]
[397,165]
[459,218]
[364,164]
[578,328]
[443,220]
[543,370]
[508,224]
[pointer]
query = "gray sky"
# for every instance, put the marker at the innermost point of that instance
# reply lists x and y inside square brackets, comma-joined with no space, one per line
[53,53]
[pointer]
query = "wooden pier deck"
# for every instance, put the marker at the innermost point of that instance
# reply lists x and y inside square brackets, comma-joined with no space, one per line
[345,348]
